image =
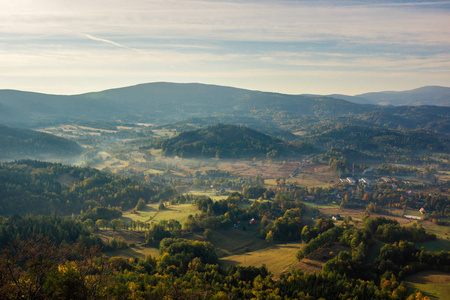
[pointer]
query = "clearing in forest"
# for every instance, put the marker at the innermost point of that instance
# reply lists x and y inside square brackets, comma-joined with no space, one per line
[151,213]
[140,248]
[278,258]
[433,284]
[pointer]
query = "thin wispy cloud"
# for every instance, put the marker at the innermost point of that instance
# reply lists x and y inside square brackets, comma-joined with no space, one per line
[424,3]
[103,40]
[374,38]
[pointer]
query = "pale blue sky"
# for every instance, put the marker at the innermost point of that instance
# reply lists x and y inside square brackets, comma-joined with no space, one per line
[322,47]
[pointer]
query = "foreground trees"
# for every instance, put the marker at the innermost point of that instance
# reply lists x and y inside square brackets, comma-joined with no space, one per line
[38,269]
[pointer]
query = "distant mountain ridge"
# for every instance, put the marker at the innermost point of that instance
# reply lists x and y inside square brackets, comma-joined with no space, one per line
[427,95]
[167,102]
[17,143]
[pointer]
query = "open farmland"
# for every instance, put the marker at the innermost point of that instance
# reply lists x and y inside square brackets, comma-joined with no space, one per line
[116,155]
[236,241]
[438,244]
[309,174]
[277,258]
[178,212]
[433,284]
[211,194]
[280,258]
[139,250]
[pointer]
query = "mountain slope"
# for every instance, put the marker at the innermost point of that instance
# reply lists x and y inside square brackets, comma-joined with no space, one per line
[200,99]
[36,187]
[354,99]
[164,102]
[425,117]
[376,140]
[428,95]
[226,141]
[168,102]
[16,143]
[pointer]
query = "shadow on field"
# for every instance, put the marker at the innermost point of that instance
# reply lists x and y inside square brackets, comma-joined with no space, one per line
[435,245]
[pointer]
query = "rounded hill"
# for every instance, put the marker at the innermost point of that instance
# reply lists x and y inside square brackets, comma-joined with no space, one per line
[19,143]
[226,141]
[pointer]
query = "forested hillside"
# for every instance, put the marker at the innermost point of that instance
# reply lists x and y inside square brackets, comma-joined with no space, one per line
[186,269]
[228,141]
[375,139]
[33,187]
[431,118]
[56,229]
[18,143]
[166,102]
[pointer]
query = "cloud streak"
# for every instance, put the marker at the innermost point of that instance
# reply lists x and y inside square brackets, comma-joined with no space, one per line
[104,40]
[267,21]
[294,38]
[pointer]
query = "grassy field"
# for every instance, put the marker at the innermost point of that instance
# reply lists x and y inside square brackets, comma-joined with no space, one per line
[321,206]
[234,241]
[277,258]
[164,132]
[137,238]
[315,175]
[243,248]
[208,193]
[442,232]
[179,212]
[433,284]
[280,258]
[443,176]
[233,246]
[236,247]
[134,252]
[144,215]
[329,210]
[153,172]
[231,242]
[435,245]
[413,212]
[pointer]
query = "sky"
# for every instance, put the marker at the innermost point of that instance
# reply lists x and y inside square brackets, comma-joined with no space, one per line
[292,46]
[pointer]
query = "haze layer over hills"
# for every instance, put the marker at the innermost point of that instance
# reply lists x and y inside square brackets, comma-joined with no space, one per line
[17,143]
[168,102]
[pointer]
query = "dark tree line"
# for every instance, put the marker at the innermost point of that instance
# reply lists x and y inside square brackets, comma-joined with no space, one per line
[58,230]
[46,188]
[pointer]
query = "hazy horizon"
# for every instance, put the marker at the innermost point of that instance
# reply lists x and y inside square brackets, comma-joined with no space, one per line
[292,47]
[213,84]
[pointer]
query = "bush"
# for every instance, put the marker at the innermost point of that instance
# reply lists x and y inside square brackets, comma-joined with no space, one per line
[140,205]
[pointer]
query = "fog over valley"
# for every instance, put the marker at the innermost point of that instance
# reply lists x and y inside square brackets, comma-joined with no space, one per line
[225,149]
